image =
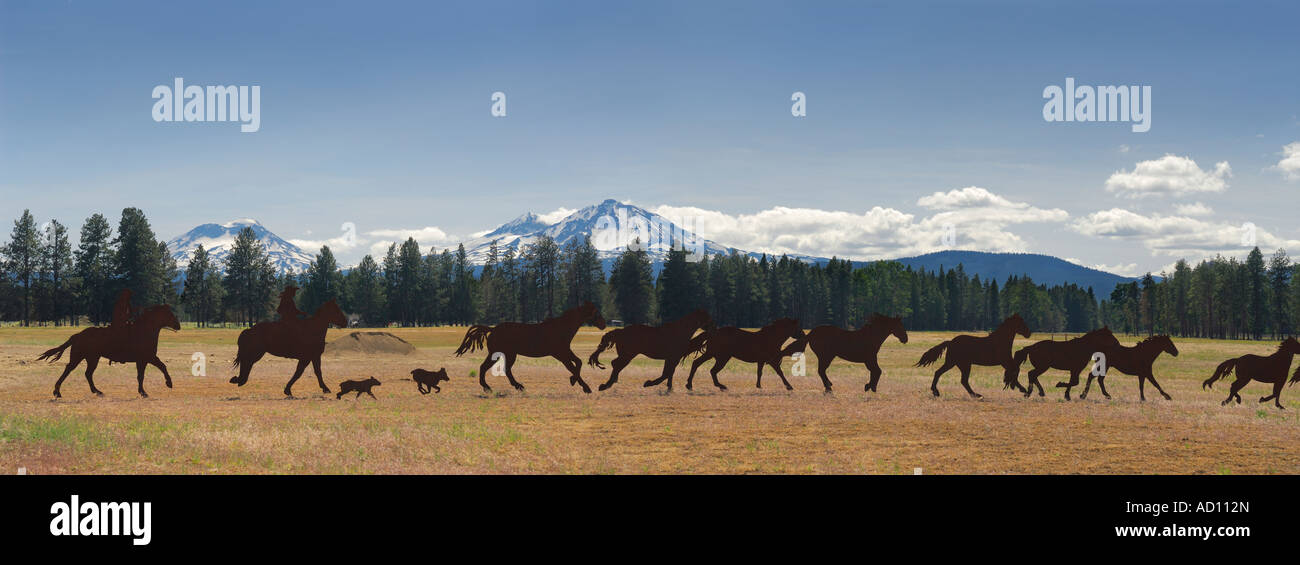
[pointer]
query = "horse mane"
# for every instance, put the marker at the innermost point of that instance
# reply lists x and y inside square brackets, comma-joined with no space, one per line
[1006,324]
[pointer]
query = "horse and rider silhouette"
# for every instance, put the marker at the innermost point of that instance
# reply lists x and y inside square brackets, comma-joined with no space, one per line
[552,337]
[1073,355]
[293,336]
[1269,369]
[857,346]
[670,342]
[992,350]
[762,347]
[131,337]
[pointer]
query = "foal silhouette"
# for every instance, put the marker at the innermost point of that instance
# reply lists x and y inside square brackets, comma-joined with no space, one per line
[1073,355]
[857,346]
[1271,369]
[761,347]
[550,338]
[1137,360]
[670,342]
[966,350]
[134,342]
[303,340]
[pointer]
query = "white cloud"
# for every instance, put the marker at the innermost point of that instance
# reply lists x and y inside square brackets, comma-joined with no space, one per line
[979,219]
[1195,209]
[1175,236]
[1167,175]
[555,216]
[1290,163]
[1123,269]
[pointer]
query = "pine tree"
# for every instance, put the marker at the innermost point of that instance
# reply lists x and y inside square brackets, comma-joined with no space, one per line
[365,296]
[630,284]
[250,281]
[24,254]
[323,281]
[94,268]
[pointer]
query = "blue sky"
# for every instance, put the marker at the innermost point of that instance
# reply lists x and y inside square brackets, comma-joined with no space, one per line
[378,114]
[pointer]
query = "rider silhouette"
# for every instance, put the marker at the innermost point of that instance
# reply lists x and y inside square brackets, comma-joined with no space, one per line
[123,312]
[287,309]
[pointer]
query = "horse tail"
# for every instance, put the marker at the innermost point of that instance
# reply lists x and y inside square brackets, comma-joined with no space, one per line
[933,354]
[1295,377]
[1011,377]
[55,353]
[697,344]
[799,345]
[605,342]
[474,339]
[1224,369]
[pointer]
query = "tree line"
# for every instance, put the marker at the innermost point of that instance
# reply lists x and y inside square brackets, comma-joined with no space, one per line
[46,281]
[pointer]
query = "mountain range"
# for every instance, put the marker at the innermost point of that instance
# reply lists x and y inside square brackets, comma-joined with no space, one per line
[602,221]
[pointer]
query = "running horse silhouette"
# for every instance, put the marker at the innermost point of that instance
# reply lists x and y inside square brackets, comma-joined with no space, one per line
[551,337]
[134,342]
[966,350]
[1137,360]
[762,347]
[291,338]
[1073,355]
[858,346]
[1271,369]
[670,342]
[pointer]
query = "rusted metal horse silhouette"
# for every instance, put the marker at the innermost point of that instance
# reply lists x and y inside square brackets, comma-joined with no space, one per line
[762,347]
[857,346]
[966,350]
[1073,355]
[670,342]
[135,342]
[1271,369]
[1137,360]
[303,340]
[550,338]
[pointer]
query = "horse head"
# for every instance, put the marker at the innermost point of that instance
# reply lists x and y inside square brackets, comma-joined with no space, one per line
[1101,337]
[893,325]
[160,316]
[1016,324]
[700,318]
[1290,346]
[332,314]
[786,327]
[590,312]
[1167,345]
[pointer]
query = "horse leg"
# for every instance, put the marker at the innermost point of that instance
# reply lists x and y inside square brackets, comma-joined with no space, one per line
[482,373]
[717,368]
[91,363]
[1032,378]
[1236,387]
[616,367]
[690,379]
[824,363]
[1101,382]
[1151,377]
[874,367]
[1276,397]
[73,361]
[577,373]
[158,363]
[776,366]
[758,376]
[246,367]
[670,366]
[510,374]
[320,379]
[965,382]
[139,377]
[288,387]
[934,385]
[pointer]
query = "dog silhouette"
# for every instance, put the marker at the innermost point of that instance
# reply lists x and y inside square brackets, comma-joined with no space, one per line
[358,387]
[428,380]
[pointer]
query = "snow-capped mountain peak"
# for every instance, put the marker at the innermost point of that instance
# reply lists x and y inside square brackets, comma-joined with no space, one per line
[217,240]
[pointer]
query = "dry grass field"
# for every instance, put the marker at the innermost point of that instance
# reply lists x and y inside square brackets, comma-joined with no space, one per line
[206,425]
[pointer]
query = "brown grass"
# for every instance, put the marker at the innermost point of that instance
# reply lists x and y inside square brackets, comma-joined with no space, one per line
[206,425]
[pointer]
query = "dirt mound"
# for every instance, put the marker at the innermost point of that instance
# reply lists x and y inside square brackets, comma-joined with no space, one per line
[382,343]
